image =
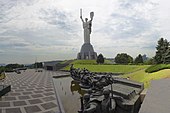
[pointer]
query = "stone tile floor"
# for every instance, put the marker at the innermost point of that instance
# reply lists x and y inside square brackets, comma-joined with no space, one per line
[31,92]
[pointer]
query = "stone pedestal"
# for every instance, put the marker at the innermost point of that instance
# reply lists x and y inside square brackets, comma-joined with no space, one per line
[87,52]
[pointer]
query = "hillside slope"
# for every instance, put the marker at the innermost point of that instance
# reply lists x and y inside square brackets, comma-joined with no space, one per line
[142,76]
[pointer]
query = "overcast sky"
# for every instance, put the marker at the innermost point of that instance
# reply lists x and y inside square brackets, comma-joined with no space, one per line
[52,29]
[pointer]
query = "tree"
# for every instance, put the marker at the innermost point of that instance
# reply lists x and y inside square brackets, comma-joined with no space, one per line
[166,59]
[162,47]
[149,61]
[123,58]
[138,59]
[13,66]
[38,65]
[100,59]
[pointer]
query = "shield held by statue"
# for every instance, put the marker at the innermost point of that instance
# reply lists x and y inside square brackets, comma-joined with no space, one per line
[91,14]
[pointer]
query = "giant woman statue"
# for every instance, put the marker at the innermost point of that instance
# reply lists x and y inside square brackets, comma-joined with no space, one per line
[87,26]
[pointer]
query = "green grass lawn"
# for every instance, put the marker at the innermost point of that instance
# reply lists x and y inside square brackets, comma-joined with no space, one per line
[109,68]
[84,62]
[94,67]
[146,78]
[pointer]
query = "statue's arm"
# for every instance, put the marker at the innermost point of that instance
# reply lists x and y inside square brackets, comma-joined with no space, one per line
[91,19]
[81,19]
[91,109]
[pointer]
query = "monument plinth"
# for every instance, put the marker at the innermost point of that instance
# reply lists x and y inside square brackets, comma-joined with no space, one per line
[87,51]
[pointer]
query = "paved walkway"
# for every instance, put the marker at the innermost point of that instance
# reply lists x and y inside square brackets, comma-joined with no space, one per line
[31,92]
[157,99]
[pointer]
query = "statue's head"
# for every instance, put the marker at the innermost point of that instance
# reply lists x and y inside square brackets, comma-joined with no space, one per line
[86,19]
[106,93]
[86,97]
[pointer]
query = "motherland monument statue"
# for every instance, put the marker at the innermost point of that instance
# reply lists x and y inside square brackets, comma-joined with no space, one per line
[87,26]
[87,51]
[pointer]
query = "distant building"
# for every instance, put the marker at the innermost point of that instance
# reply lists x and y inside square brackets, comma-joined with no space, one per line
[144,57]
[51,65]
[56,65]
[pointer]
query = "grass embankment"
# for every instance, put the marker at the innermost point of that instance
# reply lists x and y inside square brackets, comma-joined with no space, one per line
[106,67]
[155,68]
[63,62]
[134,72]
[146,78]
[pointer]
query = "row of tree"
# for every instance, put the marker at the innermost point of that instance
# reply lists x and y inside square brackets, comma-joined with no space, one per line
[162,56]
[38,65]
[10,67]
[124,58]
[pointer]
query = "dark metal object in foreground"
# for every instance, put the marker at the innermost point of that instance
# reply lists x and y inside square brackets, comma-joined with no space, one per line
[4,89]
[88,79]
[124,95]
[127,95]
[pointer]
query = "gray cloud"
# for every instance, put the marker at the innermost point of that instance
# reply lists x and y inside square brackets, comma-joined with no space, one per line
[11,42]
[152,47]
[58,18]
[131,26]
[7,5]
[130,3]
[1,51]
[129,21]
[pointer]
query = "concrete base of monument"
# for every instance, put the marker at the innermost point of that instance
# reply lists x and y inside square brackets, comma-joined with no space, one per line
[4,89]
[87,52]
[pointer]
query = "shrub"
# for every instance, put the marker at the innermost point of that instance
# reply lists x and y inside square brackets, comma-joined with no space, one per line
[155,68]
[100,59]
